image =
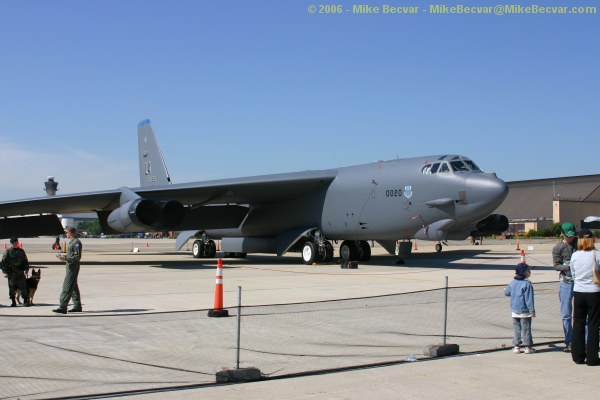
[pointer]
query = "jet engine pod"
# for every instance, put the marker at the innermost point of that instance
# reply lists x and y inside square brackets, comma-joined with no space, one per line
[146,214]
[494,224]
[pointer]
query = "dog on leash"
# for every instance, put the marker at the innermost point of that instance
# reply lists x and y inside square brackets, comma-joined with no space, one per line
[32,285]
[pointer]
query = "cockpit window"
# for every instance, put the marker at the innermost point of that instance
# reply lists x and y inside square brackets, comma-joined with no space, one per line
[459,166]
[472,165]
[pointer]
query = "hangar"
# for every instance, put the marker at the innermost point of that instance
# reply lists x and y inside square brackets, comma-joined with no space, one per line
[537,204]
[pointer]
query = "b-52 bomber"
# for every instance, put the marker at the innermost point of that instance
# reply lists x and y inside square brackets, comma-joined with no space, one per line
[437,198]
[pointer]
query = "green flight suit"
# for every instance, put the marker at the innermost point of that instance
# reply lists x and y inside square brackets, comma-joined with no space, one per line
[70,287]
[14,265]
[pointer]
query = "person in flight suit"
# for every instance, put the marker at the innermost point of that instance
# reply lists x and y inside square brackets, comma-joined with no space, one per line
[14,265]
[70,287]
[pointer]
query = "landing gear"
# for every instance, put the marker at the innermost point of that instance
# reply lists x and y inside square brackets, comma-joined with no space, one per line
[326,252]
[204,248]
[309,253]
[348,250]
[364,251]
[313,252]
[438,246]
[355,251]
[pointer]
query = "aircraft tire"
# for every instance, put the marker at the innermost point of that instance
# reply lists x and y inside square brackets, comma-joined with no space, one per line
[438,247]
[212,249]
[198,248]
[328,251]
[364,251]
[309,253]
[348,251]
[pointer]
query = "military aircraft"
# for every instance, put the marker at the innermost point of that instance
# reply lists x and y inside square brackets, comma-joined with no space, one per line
[435,198]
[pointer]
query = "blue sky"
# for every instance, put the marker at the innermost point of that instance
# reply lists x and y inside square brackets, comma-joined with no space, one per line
[240,88]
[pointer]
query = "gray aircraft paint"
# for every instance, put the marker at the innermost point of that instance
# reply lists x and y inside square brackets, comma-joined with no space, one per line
[153,170]
[383,201]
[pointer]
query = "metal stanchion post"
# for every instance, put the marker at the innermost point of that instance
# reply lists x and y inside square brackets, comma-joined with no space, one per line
[239,321]
[444,349]
[446,311]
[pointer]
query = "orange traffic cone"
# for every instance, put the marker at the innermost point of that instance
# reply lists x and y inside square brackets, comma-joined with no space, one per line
[218,311]
[4,246]
[64,250]
[147,245]
[20,245]
[523,257]
[518,248]
[415,246]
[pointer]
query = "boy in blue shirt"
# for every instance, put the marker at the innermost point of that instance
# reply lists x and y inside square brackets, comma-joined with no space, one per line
[522,306]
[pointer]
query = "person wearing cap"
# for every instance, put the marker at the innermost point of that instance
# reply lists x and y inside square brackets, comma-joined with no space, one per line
[561,257]
[522,305]
[70,287]
[14,266]
[586,300]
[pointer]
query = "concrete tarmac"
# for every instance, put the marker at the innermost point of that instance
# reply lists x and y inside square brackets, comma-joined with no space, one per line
[138,277]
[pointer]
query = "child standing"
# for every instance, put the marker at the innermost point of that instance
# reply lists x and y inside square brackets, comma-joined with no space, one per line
[522,305]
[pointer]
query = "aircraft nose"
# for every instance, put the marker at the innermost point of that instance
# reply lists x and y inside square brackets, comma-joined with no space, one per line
[486,188]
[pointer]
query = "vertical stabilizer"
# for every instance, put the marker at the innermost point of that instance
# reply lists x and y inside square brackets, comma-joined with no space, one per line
[153,170]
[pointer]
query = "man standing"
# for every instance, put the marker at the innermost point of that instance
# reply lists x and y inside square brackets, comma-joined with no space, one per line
[561,257]
[14,265]
[70,287]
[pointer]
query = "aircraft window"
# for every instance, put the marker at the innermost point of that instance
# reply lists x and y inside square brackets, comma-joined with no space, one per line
[472,165]
[426,169]
[459,166]
[444,168]
[435,167]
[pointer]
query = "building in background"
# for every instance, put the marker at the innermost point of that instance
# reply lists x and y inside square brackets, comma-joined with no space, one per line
[537,204]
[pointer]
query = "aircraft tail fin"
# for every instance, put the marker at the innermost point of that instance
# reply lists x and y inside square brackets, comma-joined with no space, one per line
[153,170]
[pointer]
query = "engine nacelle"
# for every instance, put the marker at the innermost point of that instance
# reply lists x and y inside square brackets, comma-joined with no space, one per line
[146,215]
[494,224]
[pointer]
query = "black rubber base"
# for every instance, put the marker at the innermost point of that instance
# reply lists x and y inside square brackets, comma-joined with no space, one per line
[218,313]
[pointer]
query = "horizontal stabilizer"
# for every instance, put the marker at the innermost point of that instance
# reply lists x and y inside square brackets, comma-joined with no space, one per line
[35,225]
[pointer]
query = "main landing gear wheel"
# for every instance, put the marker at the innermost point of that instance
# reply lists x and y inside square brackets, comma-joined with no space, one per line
[201,249]
[309,253]
[325,252]
[364,251]
[211,251]
[348,250]
[355,251]
[438,247]
[197,248]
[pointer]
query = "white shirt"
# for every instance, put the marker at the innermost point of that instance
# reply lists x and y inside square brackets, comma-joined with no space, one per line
[582,263]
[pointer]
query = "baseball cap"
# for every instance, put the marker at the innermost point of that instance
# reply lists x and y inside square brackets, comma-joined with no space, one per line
[14,239]
[520,270]
[585,233]
[568,229]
